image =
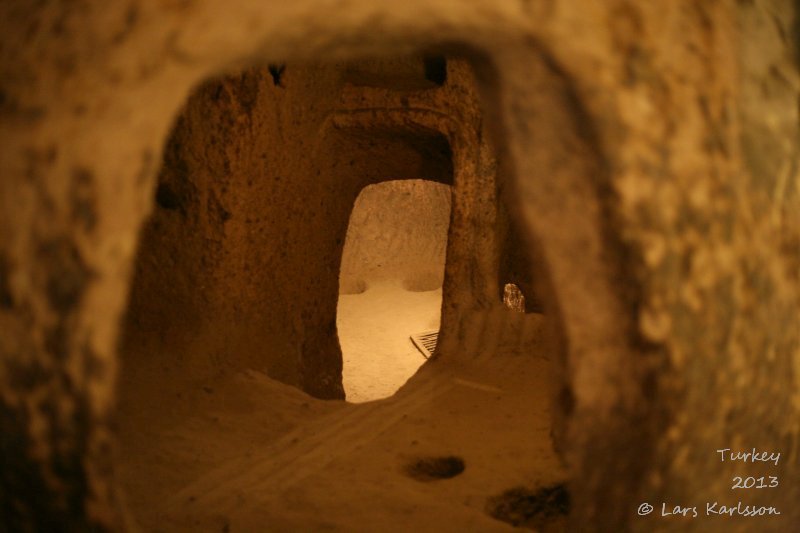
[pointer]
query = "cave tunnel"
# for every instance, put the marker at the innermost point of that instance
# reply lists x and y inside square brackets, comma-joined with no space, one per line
[298,220]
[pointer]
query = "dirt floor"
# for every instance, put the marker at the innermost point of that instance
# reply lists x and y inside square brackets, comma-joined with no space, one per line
[374,329]
[245,453]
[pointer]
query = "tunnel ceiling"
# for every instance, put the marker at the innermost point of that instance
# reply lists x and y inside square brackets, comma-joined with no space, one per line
[385,152]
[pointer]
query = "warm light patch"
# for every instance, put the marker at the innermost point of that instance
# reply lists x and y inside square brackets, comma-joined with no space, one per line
[513,298]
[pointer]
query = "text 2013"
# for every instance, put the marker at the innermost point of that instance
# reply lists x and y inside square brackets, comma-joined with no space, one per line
[763,482]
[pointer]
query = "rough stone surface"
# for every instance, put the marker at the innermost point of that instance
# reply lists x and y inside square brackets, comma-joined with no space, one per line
[397,231]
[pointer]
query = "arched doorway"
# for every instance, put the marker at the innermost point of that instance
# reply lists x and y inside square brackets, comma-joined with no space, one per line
[390,283]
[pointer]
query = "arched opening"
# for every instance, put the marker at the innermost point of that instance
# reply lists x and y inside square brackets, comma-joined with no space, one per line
[390,283]
[231,357]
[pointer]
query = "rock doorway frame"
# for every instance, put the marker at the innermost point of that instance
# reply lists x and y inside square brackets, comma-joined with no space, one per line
[397,234]
[451,336]
[558,193]
[81,241]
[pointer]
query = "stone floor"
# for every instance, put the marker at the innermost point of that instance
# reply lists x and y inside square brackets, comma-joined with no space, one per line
[374,329]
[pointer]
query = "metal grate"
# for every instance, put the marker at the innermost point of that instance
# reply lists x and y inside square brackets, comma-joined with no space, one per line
[426,342]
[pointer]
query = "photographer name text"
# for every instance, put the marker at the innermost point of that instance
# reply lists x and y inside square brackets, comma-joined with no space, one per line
[715,508]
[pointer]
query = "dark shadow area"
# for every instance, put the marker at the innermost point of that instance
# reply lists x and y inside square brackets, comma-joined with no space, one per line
[412,73]
[434,468]
[542,509]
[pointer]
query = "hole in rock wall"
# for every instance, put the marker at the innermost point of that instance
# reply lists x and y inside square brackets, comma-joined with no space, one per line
[515,282]
[302,212]
[390,283]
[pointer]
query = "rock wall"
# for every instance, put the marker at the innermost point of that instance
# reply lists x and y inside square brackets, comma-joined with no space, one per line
[232,267]
[397,231]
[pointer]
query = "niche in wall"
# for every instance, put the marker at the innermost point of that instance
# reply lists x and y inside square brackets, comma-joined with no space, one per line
[518,291]
[390,283]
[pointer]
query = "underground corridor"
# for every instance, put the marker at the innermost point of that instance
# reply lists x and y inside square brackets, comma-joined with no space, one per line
[307,226]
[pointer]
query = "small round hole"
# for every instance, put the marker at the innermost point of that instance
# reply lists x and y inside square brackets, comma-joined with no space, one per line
[433,468]
[167,198]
